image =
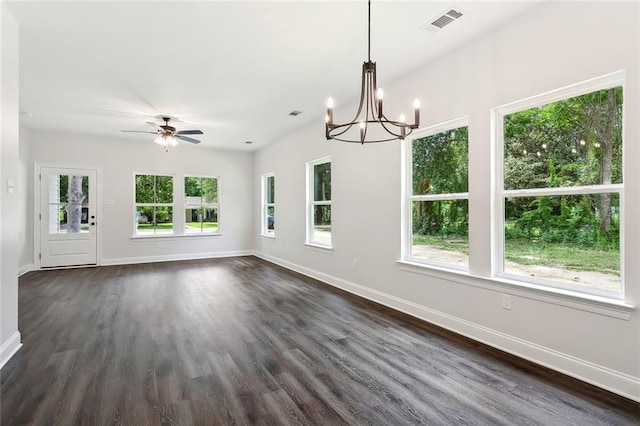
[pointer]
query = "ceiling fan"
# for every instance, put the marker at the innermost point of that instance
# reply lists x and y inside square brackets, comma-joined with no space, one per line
[167,135]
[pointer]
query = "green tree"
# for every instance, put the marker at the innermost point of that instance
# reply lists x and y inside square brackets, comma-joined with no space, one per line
[440,166]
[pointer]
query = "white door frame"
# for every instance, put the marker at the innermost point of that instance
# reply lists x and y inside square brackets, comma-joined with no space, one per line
[37,213]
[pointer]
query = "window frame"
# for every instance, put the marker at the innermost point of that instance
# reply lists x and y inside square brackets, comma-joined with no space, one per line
[609,81]
[186,205]
[265,205]
[311,202]
[409,198]
[136,205]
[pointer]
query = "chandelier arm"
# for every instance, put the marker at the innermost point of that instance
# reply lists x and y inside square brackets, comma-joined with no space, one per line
[372,93]
[347,126]
[384,125]
[362,95]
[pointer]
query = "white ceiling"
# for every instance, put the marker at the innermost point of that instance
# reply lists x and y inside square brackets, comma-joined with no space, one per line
[233,69]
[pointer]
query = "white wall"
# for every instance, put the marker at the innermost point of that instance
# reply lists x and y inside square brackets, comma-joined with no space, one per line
[9,335]
[120,159]
[25,201]
[554,45]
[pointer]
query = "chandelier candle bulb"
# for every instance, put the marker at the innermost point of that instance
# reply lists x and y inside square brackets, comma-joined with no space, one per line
[379,96]
[416,106]
[330,112]
[363,126]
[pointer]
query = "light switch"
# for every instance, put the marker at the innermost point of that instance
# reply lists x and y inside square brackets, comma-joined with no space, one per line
[10,186]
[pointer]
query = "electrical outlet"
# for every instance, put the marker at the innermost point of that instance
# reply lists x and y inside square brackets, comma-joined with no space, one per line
[506,301]
[355,263]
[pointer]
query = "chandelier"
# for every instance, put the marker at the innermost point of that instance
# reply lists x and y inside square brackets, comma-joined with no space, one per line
[370,125]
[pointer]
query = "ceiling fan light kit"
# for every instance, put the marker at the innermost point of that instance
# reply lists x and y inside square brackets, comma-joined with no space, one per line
[370,112]
[168,135]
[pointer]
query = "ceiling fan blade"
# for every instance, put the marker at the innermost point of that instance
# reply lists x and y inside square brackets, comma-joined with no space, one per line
[138,131]
[186,139]
[151,123]
[190,132]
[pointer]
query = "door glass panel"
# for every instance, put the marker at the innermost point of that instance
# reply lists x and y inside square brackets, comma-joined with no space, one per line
[68,199]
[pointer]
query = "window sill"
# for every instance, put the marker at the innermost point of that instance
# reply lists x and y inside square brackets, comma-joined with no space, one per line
[271,236]
[173,236]
[585,302]
[319,247]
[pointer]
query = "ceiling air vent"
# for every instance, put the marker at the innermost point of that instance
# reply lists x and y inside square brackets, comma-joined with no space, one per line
[441,21]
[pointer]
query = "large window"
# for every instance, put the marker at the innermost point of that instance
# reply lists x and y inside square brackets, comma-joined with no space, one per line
[319,202]
[437,206]
[154,205]
[268,205]
[201,205]
[560,188]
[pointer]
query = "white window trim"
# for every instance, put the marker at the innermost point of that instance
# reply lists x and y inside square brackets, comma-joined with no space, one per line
[178,212]
[589,303]
[408,197]
[185,206]
[311,203]
[615,79]
[135,207]
[264,221]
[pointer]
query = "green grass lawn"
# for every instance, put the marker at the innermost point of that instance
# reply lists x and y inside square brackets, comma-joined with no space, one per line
[567,256]
[573,257]
[205,225]
[149,226]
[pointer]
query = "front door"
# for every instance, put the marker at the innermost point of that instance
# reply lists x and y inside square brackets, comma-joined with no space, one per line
[67,217]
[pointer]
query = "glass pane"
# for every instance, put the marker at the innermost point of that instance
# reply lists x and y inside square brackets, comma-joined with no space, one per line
[270,189]
[576,141]
[164,189]
[322,225]
[63,187]
[322,182]
[440,163]
[193,188]
[271,220]
[57,219]
[163,220]
[68,204]
[154,220]
[440,231]
[144,220]
[569,239]
[201,220]
[144,188]
[210,190]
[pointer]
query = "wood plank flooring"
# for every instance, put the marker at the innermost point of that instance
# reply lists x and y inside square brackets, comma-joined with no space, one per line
[241,341]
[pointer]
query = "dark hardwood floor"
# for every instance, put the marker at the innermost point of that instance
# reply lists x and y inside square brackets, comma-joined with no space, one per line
[241,341]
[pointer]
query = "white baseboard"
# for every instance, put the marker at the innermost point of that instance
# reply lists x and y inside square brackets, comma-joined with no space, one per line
[9,348]
[174,257]
[26,268]
[611,380]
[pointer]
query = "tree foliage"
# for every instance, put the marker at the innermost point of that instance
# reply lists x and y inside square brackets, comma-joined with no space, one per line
[573,142]
[322,192]
[152,189]
[440,166]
